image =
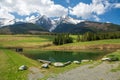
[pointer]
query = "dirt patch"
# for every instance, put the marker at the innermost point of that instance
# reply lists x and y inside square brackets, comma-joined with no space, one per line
[34,74]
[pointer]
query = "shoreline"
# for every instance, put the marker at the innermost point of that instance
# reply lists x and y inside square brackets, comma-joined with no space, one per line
[81,47]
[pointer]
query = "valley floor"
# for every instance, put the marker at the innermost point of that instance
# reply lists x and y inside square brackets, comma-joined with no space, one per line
[10,60]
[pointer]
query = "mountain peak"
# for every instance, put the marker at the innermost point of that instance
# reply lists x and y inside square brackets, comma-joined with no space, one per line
[4,22]
[69,20]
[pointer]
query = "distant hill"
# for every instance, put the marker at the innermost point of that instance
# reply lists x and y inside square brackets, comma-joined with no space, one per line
[22,28]
[86,26]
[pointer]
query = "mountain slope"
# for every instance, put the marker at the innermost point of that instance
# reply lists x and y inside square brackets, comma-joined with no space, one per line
[86,26]
[22,28]
[64,24]
[43,21]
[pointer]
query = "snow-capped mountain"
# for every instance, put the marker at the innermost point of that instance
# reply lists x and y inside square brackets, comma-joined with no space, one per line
[64,24]
[64,19]
[4,22]
[69,20]
[51,24]
[44,21]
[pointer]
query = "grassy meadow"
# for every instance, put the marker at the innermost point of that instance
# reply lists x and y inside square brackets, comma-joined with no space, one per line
[11,60]
[24,40]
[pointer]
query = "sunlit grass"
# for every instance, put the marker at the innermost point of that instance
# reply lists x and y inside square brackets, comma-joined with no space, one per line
[10,62]
[25,40]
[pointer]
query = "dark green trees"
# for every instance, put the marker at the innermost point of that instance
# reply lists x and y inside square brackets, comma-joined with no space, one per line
[62,39]
[78,38]
[89,36]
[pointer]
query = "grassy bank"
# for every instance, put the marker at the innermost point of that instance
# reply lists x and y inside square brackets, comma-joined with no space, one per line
[99,44]
[10,62]
[115,55]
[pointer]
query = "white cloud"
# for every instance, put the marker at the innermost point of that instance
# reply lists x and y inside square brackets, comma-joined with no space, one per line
[92,10]
[19,20]
[6,18]
[82,10]
[117,5]
[108,22]
[30,18]
[50,9]
[5,14]
[96,18]
[26,7]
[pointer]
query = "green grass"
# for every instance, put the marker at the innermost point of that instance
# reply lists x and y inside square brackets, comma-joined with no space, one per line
[10,62]
[107,41]
[115,54]
[99,44]
[36,41]
[25,40]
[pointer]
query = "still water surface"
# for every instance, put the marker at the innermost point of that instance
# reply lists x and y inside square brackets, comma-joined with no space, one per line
[63,56]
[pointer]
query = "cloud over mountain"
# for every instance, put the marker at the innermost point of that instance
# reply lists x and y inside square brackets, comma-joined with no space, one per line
[91,10]
[26,7]
[117,5]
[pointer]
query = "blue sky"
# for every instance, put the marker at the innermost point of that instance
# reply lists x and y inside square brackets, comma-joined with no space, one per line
[93,10]
[111,15]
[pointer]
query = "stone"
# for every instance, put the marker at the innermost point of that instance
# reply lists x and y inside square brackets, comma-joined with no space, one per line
[106,59]
[58,64]
[23,67]
[85,61]
[45,65]
[76,62]
[44,61]
[67,63]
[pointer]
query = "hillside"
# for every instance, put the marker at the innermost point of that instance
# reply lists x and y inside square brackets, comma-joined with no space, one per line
[86,26]
[64,24]
[22,28]
[10,62]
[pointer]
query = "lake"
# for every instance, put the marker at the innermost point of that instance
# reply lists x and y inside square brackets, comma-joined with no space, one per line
[64,56]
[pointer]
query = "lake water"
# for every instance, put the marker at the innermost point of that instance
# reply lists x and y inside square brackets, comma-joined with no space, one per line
[64,56]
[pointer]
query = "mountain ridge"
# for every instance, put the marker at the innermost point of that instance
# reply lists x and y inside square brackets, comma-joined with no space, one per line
[64,24]
[24,28]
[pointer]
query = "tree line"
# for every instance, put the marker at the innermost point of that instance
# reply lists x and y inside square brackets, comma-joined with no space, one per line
[89,36]
[62,39]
